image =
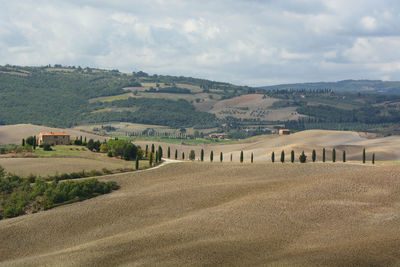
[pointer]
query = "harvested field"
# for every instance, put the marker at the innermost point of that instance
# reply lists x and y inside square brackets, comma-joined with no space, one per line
[49,166]
[386,149]
[213,214]
[13,134]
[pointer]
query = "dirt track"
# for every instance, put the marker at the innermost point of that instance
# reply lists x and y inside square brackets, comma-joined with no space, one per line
[212,214]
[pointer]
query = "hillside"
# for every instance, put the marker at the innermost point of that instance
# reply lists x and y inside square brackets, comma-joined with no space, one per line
[346,86]
[60,96]
[205,214]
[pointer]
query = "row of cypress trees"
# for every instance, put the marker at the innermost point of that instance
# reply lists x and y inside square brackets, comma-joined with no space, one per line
[302,157]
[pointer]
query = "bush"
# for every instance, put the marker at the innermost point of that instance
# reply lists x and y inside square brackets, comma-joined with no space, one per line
[192,155]
[46,147]
[303,158]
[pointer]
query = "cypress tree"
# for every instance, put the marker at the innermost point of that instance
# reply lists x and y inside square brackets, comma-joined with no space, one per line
[252,157]
[85,139]
[344,156]
[333,155]
[314,155]
[176,153]
[273,157]
[323,154]
[192,155]
[221,157]
[292,156]
[241,156]
[147,150]
[231,157]
[211,156]
[156,156]
[152,148]
[151,159]
[283,156]
[34,142]
[23,142]
[81,139]
[160,153]
[137,163]
[202,155]
[373,158]
[169,152]
[183,155]
[363,156]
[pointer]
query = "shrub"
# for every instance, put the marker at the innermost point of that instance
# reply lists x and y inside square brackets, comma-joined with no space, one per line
[292,156]
[314,155]
[47,147]
[303,158]
[283,156]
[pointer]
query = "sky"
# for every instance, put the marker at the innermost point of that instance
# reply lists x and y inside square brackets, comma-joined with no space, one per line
[245,42]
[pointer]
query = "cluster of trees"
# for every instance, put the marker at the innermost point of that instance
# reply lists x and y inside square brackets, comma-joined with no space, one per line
[173,113]
[18,194]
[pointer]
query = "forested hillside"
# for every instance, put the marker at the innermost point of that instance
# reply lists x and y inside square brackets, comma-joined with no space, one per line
[67,96]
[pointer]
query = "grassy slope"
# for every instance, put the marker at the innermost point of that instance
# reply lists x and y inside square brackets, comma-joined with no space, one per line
[213,214]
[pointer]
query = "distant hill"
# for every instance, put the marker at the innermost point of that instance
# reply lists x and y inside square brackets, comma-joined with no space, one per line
[63,97]
[346,86]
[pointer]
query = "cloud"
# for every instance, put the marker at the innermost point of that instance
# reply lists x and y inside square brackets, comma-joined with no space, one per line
[254,42]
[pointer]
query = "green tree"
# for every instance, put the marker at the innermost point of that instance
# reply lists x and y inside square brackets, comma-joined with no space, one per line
[211,156]
[231,157]
[333,155]
[152,148]
[252,157]
[30,140]
[192,155]
[303,157]
[314,155]
[90,144]
[273,157]
[160,153]
[151,159]
[23,142]
[34,142]
[202,155]
[176,153]
[137,163]
[283,156]
[157,157]
[183,155]
[147,150]
[241,156]
[169,152]
[292,156]
[344,156]
[373,158]
[221,157]
[323,155]
[363,156]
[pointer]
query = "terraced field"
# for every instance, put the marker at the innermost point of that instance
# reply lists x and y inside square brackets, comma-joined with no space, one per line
[221,214]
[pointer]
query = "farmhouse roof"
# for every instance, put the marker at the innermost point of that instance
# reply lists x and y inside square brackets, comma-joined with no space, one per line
[53,133]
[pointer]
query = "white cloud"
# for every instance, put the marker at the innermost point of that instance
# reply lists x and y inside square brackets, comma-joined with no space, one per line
[246,42]
[368,23]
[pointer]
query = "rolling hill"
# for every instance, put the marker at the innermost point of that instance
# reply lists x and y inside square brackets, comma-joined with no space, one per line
[61,96]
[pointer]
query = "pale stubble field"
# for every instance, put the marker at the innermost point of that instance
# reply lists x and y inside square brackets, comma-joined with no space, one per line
[221,214]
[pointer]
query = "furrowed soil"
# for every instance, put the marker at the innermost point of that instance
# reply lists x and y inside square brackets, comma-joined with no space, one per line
[221,214]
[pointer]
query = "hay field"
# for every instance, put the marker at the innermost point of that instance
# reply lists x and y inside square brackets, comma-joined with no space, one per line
[213,214]
[50,166]
[13,134]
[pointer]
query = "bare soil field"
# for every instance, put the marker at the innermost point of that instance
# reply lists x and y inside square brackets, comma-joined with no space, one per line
[221,214]
[50,166]
[13,134]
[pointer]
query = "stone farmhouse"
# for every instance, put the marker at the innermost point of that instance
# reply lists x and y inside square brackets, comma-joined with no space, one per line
[54,138]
